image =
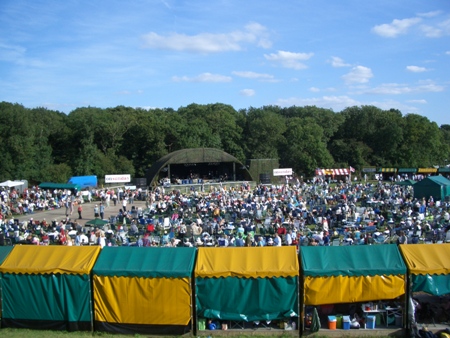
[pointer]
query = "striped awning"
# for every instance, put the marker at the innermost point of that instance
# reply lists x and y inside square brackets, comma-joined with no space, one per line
[388,170]
[332,172]
[427,170]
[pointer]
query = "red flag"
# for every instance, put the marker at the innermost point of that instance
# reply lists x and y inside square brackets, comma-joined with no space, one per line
[352,170]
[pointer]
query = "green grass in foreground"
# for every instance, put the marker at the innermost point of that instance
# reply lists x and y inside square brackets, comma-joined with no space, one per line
[25,333]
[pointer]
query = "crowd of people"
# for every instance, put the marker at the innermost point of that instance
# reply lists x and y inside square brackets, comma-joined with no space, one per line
[296,213]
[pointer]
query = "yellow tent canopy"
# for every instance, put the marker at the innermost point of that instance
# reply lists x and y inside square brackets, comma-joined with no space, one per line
[246,262]
[53,259]
[427,259]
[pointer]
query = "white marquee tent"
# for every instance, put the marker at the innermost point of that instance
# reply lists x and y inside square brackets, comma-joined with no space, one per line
[11,184]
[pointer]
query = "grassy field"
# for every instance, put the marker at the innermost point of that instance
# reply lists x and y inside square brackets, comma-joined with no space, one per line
[25,333]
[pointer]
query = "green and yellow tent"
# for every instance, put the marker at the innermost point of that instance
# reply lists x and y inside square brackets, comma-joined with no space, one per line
[347,274]
[48,287]
[4,252]
[247,284]
[141,290]
[428,267]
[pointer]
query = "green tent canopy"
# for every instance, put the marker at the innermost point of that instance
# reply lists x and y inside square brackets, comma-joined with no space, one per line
[406,182]
[51,185]
[364,260]
[348,274]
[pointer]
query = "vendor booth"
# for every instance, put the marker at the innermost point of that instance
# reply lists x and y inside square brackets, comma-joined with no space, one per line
[141,290]
[238,286]
[428,267]
[351,274]
[48,287]
[4,252]
[428,282]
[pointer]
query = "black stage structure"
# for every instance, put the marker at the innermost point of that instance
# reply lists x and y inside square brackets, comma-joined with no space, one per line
[197,166]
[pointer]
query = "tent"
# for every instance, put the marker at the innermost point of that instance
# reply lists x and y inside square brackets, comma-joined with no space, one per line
[333,172]
[247,284]
[428,267]
[84,181]
[51,185]
[4,252]
[141,290]
[406,182]
[346,274]
[436,186]
[48,287]
[11,184]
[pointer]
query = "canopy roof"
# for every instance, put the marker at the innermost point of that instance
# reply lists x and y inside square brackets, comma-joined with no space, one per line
[10,184]
[50,185]
[247,262]
[145,262]
[361,260]
[439,179]
[4,252]
[31,259]
[427,259]
[406,182]
[407,170]
[331,172]
[194,155]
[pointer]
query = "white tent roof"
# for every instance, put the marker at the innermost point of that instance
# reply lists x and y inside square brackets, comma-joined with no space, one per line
[10,184]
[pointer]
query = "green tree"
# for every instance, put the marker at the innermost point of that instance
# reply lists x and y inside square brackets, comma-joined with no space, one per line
[264,132]
[305,148]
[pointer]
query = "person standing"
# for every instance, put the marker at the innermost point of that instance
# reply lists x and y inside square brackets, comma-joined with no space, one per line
[80,210]
[96,211]
[124,203]
[102,211]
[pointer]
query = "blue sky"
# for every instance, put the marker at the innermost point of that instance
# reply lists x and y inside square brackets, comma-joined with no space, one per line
[246,53]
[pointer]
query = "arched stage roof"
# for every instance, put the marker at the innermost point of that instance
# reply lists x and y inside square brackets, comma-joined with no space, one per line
[195,155]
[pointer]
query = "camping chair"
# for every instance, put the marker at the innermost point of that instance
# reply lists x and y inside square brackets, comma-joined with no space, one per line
[336,242]
[429,237]
[237,324]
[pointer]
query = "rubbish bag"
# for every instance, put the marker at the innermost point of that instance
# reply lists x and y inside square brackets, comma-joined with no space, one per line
[315,323]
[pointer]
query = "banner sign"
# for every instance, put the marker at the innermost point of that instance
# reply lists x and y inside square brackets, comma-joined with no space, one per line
[118,178]
[282,172]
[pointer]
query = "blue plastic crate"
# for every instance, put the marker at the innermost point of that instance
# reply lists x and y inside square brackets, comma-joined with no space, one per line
[370,322]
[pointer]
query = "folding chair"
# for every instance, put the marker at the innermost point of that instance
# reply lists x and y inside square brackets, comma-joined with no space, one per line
[336,242]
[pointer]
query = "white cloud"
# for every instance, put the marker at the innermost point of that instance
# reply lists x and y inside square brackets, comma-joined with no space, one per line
[429,14]
[447,52]
[416,69]
[314,89]
[336,103]
[418,101]
[431,32]
[247,92]
[253,75]
[253,33]
[11,52]
[204,77]
[396,27]
[338,62]
[289,59]
[396,88]
[358,74]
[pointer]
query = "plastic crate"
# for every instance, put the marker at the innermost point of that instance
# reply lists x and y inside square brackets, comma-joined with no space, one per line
[370,322]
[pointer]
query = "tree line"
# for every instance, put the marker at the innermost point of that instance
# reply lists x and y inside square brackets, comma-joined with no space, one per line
[42,145]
